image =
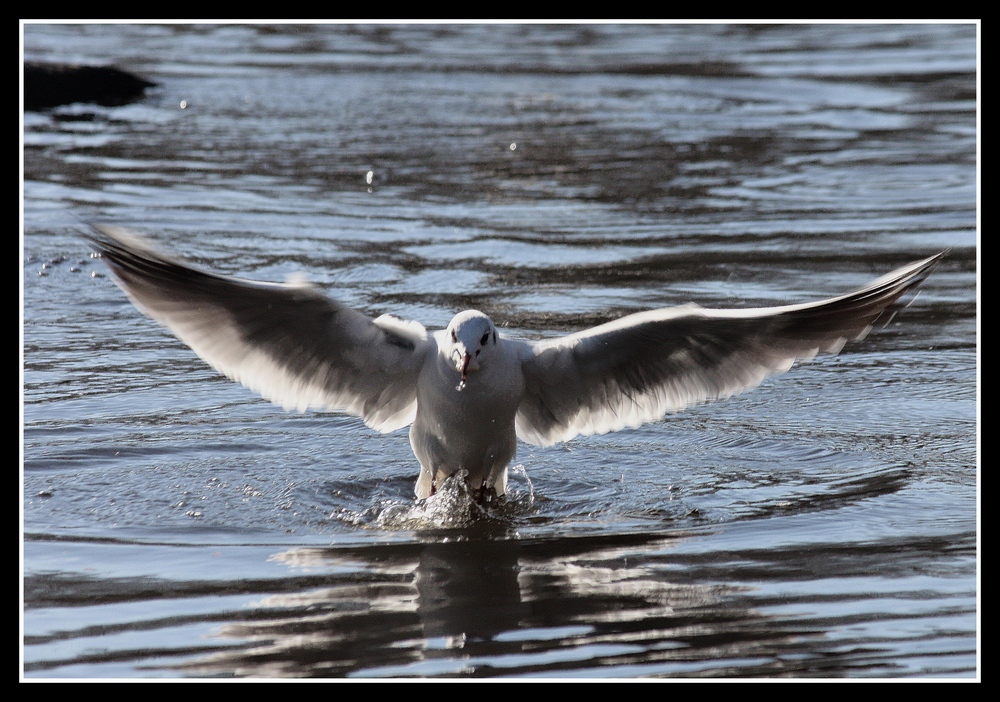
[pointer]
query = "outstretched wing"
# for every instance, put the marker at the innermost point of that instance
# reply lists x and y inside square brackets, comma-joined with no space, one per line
[289,342]
[640,367]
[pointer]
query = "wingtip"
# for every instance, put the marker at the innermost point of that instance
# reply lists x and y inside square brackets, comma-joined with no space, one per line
[938,257]
[928,265]
[931,262]
[103,235]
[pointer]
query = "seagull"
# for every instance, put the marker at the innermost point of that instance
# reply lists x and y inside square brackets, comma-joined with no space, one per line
[469,392]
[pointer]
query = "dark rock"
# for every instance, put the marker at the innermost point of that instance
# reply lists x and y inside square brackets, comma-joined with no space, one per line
[52,84]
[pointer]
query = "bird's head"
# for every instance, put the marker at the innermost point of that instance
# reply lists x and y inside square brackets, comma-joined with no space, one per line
[469,339]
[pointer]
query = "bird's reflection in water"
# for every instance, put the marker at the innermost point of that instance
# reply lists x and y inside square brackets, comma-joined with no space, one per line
[482,603]
[469,590]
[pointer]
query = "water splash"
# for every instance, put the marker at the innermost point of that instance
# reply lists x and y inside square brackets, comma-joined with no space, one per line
[452,506]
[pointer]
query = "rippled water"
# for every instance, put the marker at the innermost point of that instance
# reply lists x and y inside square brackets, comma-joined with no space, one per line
[555,177]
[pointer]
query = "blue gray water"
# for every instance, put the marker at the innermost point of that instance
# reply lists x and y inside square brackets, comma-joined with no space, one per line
[555,177]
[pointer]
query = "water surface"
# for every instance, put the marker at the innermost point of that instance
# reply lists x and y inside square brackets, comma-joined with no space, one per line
[555,177]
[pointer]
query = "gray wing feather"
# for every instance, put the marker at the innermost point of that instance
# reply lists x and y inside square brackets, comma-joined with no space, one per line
[640,367]
[292,344]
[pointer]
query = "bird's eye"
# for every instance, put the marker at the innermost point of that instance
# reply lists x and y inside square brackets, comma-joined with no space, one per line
[454,336]
[486,337]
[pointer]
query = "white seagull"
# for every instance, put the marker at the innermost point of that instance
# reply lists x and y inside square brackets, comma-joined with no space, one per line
[468,392]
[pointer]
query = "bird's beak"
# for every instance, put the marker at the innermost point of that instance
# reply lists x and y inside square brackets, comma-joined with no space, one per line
[464,367]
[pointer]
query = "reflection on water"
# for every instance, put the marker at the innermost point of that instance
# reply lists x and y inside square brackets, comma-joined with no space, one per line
[481,604]
[554,177]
